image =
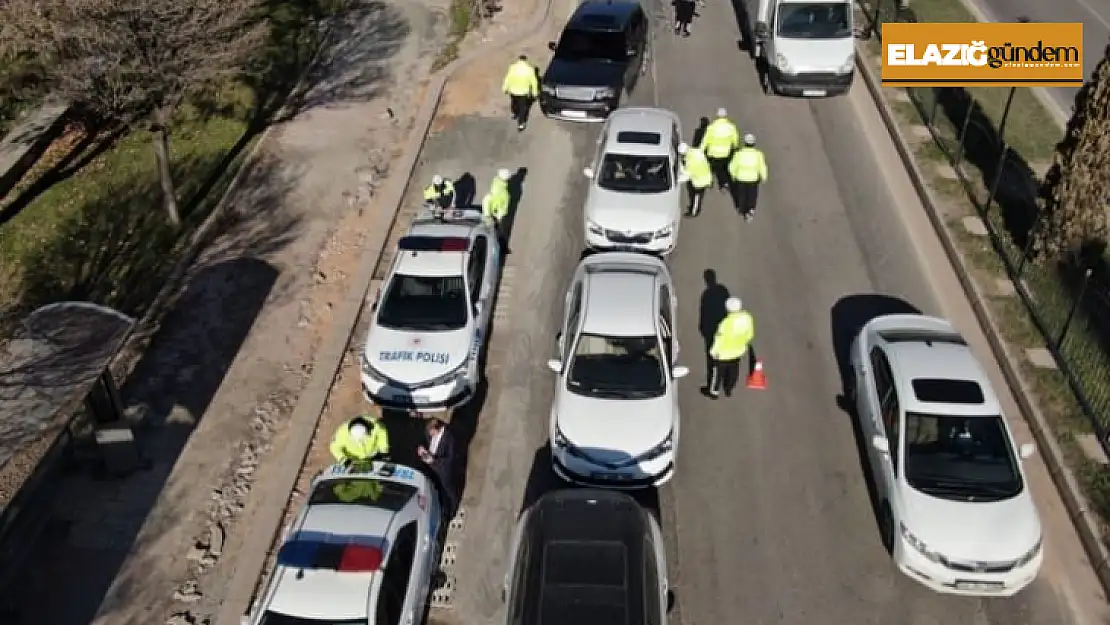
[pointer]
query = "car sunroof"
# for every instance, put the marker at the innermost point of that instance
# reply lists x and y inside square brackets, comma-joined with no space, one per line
[941,391]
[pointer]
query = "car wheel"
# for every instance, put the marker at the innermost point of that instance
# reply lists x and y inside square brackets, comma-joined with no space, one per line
[886,527]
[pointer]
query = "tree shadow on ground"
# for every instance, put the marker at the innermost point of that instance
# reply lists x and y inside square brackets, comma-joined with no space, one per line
[326,55]
[847,317]
[986,150]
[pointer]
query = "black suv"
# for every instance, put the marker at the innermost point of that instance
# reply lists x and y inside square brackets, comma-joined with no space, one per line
[600,55]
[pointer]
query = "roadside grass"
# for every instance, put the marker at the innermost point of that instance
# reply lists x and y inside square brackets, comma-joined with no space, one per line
[1018,159]
[464,16]
[98,232]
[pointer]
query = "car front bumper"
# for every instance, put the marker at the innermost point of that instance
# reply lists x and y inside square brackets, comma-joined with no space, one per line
[432,399]
[661,246]
[943,579]
[582,472]
[576,110]
[810,84]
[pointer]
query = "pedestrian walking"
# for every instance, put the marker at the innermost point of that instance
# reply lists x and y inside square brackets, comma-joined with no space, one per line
[721,139]
[684,11]
[522,86]
[697,168]
[495,204]
[747,169]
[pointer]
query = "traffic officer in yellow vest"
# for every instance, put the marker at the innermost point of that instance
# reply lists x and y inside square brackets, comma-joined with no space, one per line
[719,142]
[731,341]
[352,491]
[696,166]
[748,169]
[522,85]
[440,193]
[495,204]
[362,439]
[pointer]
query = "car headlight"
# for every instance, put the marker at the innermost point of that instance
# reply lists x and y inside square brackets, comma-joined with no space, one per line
[548,89]
[369,371]
[782,63]
[450,377]
[559,439]
[918,545]
[604,93]
[1032,553]
[848,66]
[662,448]
[594,228]
[665,231]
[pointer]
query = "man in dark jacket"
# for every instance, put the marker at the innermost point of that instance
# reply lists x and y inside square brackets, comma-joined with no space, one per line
[683,15]
[438,452]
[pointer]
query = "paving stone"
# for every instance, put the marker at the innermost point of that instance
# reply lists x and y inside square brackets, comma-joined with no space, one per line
[1040,357]
[1004,287]
[974,225]
[946,171]
[1091,448]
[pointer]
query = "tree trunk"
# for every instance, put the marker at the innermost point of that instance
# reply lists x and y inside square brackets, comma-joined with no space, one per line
[165,176]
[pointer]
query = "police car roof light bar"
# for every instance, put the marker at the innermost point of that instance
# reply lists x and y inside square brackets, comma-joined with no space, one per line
[336,556]
[416,243]
[360,559]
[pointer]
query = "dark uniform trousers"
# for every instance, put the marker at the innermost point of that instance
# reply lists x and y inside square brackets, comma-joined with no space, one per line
[720,170]
[520,104]
[744,196]
[725,374]
[696,197]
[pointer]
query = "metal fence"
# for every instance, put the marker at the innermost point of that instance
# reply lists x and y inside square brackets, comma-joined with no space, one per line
[986,137]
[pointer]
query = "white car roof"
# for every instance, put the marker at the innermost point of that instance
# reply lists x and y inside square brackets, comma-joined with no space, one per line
[439,247]
[620,294]
[929,348]
[329,535]
[629,130]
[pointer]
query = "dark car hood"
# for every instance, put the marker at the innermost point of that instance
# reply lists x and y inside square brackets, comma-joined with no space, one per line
[585,73]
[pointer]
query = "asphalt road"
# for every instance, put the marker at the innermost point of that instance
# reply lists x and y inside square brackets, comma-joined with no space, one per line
[1094,14]
[768,519]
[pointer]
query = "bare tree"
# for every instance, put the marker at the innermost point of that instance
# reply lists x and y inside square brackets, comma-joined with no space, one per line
[1074,196]
[135,61]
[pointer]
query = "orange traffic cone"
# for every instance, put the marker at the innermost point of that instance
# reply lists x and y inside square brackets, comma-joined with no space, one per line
[756,379]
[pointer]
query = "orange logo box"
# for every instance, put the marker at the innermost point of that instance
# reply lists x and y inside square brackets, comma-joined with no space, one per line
[982,55]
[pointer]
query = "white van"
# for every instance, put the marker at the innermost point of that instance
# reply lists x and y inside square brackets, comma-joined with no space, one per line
[807,46]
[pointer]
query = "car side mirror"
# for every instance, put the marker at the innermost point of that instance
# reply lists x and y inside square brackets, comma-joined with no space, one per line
[762,32]
[1027,450]
[881,444]
[672,601]
[551,45]
[680,372]
[588,172]
[377,298]
[555,365]
[631,52]
[683,177]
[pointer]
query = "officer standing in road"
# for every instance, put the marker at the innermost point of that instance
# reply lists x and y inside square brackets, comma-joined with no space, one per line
[362,439]
[696,166]
[440,193]
[731,341]
[522,86]
[495,204]
[720,141]
[748,169]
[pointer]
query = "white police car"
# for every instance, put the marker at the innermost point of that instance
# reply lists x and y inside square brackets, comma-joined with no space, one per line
[363,550]
[433,314]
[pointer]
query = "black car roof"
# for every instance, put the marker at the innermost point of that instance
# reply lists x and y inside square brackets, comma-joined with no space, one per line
[586,557]
[618,11]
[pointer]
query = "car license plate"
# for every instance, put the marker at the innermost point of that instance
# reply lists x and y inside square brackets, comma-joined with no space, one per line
[814,93]
[575,114]
[979,586]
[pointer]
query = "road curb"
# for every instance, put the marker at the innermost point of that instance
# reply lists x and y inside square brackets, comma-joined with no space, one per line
[266,523]
[1065,480]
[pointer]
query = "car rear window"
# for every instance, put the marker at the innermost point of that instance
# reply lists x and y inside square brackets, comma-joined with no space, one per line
[942,391]
[640,138]
[390,496]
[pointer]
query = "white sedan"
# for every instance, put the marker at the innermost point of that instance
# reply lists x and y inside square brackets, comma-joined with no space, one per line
[363,550]
[615,418]
[954,506]
[432,317]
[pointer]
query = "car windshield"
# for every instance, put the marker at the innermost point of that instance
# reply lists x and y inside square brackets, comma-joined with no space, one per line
[817,20]
[424,303]
[961,458]
[617,367]
[635,174]
[584,45]
[276,618]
